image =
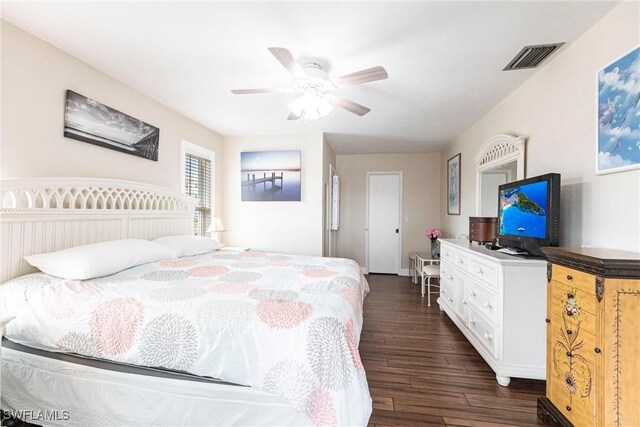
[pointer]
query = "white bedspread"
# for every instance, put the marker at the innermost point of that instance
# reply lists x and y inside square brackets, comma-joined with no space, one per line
[288,325]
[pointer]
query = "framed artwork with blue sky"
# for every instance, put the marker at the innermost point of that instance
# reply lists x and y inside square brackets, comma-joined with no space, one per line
[618,145]
[270,176]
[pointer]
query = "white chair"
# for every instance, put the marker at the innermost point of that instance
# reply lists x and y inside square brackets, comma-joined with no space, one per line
[427,269]
[413,260]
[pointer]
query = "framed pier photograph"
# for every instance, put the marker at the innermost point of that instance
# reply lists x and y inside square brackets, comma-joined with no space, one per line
[271,176]
[89,121]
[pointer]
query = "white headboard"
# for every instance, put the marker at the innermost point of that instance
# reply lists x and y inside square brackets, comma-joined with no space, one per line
[47,214]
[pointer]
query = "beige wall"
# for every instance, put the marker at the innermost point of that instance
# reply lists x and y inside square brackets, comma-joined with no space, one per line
[283,227]
[35,77]
[555,111]
[420,205]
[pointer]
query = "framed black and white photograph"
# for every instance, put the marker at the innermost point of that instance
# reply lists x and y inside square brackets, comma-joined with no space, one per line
[453,185]
[88,120]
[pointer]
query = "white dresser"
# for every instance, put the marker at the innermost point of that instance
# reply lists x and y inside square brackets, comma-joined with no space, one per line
[499,303]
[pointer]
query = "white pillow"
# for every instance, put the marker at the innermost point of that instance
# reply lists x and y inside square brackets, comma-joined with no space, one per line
[99,259]
[189,245]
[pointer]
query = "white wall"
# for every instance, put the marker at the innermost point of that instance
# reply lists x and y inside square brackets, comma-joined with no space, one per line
[420,204]
[282,227]
[35,77]
[555,110]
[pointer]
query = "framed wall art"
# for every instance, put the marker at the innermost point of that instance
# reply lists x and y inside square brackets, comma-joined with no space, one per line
[453,185]
[618,140]
[270,176]
[88,120]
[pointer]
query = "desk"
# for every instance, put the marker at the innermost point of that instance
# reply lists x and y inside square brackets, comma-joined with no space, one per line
[418,260]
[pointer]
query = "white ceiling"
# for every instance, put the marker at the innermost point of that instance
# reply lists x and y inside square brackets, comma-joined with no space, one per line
[444,59]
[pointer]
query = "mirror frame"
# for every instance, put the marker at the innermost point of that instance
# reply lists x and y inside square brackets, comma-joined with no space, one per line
[498,151]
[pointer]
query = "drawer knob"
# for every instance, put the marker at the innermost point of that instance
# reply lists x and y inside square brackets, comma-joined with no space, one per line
[568,408]
[597,350]
[547,320]
[472,294]
[464,302]
[480,270]
[450,299]
[570,355]
[488,305]
[569,332]
[488,336]
[569,277]
[570,295]
[460,261]
[442,291]
[472,322]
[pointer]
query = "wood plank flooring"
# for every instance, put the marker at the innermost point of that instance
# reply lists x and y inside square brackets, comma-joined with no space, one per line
[422,371]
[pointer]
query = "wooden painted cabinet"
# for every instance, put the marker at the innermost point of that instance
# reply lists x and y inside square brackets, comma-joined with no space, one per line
[593,338]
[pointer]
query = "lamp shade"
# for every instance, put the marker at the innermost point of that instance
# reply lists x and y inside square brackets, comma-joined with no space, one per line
[216,226]
[310,106]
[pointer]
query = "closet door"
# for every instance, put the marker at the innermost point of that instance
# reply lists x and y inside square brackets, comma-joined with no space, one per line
[383,211]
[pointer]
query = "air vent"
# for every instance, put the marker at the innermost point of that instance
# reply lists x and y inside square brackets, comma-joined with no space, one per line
[532,56]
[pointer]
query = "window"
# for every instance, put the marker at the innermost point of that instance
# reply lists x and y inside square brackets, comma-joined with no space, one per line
[198,184]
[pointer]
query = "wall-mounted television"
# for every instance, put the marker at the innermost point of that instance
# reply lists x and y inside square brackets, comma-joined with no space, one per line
[529,213]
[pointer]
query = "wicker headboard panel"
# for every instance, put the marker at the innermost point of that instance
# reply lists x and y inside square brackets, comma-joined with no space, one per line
[47,214]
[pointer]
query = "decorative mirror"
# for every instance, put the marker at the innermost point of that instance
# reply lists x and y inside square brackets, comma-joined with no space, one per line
[500,160]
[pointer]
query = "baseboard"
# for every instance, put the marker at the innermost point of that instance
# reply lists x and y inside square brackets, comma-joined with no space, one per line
[402,272]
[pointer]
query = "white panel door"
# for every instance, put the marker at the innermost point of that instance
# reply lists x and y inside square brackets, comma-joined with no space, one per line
[384,223]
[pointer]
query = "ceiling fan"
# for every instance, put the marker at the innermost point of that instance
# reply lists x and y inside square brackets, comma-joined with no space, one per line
[317,90]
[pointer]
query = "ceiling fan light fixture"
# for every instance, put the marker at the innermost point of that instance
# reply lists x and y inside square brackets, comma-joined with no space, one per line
[310,106]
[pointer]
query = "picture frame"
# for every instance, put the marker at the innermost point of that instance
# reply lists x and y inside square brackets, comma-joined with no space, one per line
[271,176]
[618,115]
[90,121]
[453,184]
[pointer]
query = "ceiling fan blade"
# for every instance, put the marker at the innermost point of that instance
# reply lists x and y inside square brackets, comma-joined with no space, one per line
[350,106]
[288,61]
[364,76]
[293,116]
[250,91]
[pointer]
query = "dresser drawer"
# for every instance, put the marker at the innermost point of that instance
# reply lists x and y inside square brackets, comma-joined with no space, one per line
[586,320]
[483,300]
[483,330]
[574,296]
[576,279]
[446,253]
[447,294]
[483,271]
[446,272]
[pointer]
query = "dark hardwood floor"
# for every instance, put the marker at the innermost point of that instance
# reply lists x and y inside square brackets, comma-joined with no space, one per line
[422,371]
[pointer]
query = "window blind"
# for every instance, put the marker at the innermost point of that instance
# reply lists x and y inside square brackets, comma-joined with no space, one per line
[198,185]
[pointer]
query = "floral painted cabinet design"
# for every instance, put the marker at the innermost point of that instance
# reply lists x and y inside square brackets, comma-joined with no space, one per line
[593,338]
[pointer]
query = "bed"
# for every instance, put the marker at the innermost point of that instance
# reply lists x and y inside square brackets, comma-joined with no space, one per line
[221,338]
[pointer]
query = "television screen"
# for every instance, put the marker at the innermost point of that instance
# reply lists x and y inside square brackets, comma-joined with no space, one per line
[523,210]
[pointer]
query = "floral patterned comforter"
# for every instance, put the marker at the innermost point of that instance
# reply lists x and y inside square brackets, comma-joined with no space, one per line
[288,325]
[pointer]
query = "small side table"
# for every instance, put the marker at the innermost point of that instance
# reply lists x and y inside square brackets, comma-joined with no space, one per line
[427,267]
[420,257]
